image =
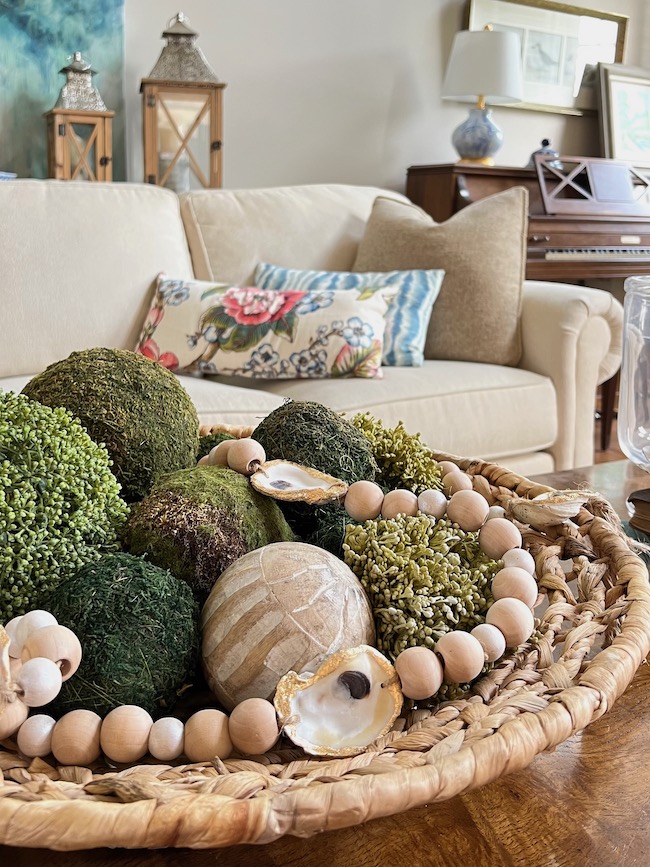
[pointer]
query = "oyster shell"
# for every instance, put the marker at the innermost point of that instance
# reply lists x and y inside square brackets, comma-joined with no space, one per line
[353,698]
[285,480]
[548,509]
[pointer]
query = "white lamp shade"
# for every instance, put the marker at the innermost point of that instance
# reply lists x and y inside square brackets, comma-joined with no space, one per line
[484,63]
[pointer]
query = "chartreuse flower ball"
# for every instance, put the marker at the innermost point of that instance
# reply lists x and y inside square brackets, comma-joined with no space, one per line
[60,504]
[134,406]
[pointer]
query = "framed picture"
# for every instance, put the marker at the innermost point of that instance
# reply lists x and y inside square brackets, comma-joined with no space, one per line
[561,45]
[624,96]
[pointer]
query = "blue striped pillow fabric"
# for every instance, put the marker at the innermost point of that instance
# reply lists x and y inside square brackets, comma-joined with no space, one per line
[407,318]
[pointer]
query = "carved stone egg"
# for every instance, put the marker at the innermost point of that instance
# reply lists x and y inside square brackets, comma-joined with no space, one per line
[284,607]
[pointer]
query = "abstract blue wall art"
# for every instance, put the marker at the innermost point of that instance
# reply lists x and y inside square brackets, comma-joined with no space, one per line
[37,39]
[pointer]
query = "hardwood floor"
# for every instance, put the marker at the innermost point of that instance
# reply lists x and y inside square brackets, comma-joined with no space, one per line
[613,453]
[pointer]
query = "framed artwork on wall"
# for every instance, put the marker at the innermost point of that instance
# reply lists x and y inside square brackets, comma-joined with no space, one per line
[624,98]
[561,45]
[36,41]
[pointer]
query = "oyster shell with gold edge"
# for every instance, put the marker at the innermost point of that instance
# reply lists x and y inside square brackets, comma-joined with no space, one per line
[285,480]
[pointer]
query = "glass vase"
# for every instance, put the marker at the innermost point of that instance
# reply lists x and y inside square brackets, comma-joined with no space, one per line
[634,397]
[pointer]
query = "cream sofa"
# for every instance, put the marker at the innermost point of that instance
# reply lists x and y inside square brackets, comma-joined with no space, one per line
[78,263]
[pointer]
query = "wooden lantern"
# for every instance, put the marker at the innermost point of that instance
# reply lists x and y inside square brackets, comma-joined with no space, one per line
[182,115]
[79,129]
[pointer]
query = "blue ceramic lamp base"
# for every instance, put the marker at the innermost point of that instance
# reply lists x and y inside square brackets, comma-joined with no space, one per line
[478,138]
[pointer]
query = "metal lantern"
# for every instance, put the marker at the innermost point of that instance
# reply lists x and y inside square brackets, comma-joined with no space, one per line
[79,128]
[181,101]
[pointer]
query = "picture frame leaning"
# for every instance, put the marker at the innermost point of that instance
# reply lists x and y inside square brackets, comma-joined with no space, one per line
[624,113]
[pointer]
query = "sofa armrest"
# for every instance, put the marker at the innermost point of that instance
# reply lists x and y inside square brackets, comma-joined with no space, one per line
[573,335]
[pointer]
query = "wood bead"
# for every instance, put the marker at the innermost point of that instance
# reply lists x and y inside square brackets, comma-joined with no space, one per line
[12,715]
[520,557]
[456,481]
[39,680]
[517,582]
[30,622]
[491,640]
[448,467]
[432,502]
[497,536]
[399,502]
[218,456]
[207,736]
[125,733]
[253,726]
[35,735]
[166,738]
[514,618]
[245,455]
[75,738]
[420,672]
[57,643]
[468,509]
[462,655]
[363,500]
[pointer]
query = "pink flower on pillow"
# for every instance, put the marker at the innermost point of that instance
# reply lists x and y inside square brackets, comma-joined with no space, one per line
[149,348]
[252,306]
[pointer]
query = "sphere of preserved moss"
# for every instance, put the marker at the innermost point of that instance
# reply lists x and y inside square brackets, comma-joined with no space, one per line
[134,406]
[60,504]
[196,522]
[404,460]
[310,433]
[138,628]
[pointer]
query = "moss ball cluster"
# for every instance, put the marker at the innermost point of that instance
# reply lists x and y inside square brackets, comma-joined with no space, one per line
[60,504]
[404,460]
[138,628]
[310,433]
[423,578]
[197,522]
[134,406]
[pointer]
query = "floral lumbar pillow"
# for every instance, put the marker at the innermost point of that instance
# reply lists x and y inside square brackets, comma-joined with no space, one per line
[205,327]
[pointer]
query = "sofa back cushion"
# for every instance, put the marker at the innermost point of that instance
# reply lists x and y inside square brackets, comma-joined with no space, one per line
[314,226]
[482,250]
[79,262]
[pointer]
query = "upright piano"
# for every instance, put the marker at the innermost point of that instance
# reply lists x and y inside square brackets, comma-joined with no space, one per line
[610,239]
[561,246]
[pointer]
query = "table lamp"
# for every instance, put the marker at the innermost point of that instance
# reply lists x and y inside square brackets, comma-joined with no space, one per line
[484,66]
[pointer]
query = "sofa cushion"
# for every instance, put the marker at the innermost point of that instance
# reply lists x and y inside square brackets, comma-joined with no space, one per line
[407,317]
[473,410]
[197,326]
[482,250]
[315,226]
[77,264]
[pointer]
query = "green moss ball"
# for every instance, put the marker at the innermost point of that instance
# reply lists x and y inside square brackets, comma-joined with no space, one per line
[134,406]
[138,628]
[196,522]
[312,434]
[60,503]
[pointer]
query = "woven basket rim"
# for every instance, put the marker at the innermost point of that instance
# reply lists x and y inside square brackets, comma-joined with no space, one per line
[307,796]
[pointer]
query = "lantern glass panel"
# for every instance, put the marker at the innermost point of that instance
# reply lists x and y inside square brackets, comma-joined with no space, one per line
[81,140]
[183,143]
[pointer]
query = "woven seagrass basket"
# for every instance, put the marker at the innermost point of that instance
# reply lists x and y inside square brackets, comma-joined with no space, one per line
[589,641]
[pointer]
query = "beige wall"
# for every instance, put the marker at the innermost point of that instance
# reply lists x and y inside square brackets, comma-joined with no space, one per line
[342,90]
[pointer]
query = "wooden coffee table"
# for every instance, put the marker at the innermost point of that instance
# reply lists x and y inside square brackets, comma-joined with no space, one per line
[587,803]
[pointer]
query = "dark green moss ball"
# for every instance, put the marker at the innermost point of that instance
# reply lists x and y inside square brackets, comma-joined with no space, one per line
[134,406]
[312,434]
[138,628]
[197,522]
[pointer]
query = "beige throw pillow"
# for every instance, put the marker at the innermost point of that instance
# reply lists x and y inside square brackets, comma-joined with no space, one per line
[482,249]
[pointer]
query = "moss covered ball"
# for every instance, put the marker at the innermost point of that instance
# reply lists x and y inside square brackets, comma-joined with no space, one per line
[312,434]
[134,406]
[197,522]
[138,628]
[60,504]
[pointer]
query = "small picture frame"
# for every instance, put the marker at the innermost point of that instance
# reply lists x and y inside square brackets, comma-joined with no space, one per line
[624,113]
